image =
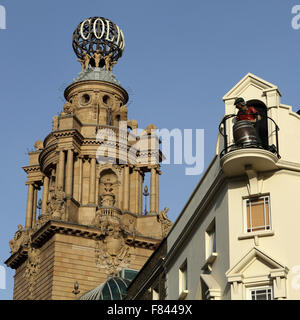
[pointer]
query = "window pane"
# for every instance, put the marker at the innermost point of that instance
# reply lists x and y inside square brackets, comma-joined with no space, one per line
[267,213]
[261,294]
[214,248]
[211,240]
[249,224]
[183,278]
[258,217]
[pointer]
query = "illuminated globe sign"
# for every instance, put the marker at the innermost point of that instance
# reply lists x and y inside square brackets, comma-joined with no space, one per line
[98,42]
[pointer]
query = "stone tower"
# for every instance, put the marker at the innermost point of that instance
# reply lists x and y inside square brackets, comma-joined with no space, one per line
[90,170]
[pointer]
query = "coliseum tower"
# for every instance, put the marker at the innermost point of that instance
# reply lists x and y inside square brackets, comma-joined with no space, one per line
[89,223]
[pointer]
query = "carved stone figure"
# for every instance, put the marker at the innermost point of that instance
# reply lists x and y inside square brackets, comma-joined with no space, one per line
[16,242]
[166,223]
[150,128]
[55,123]
[112,253]
[39,145]
[108,189]
[68,108]
[32,268]
[124,110]
[56,203]
[21,238]
[108,198]
[132,124]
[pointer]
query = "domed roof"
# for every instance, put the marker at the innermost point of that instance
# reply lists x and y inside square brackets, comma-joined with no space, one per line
[113,289]
[97,74]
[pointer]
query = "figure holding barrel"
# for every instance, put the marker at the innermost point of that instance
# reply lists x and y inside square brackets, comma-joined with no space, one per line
[245,112]
[246,129]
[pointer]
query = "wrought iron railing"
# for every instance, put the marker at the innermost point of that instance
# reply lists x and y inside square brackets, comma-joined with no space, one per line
[223,129]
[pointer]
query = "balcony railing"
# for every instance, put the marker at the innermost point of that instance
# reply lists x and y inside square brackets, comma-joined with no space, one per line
[110,211]
[270,136]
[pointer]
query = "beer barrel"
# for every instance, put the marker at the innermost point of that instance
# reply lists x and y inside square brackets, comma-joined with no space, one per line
[244,133]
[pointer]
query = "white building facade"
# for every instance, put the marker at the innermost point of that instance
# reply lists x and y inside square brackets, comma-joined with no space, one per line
[237,237]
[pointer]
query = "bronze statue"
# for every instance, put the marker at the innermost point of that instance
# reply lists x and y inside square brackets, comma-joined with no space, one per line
[111,65]
[97,57]
[82,63]
[87,59]
[107,60]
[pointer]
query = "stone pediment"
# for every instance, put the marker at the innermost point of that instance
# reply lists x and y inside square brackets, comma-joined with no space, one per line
[250,87]
[253,264]
[257,268]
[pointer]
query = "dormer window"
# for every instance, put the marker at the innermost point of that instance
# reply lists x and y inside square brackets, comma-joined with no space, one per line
[249,126]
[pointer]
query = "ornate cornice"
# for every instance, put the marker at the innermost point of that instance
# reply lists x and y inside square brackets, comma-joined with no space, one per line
[68,133]
[51,227]
[16,259]
[90,232]
[91,141]
[32,168]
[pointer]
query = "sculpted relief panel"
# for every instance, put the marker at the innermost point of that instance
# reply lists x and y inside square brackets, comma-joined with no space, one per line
[108,189]
[111,252]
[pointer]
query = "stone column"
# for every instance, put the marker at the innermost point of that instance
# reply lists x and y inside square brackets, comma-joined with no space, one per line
[29,206]
[92,181]
[157,191]
[61,170]
[45,194]
[153,191]
[69,173]
[126,188]
[80,179]
[34,207]
[137,189]
[141,180]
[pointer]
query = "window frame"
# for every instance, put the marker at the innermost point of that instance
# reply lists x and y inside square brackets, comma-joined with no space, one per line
[266,227]
[210,244]
[257,288]
[183,279]
[155,293]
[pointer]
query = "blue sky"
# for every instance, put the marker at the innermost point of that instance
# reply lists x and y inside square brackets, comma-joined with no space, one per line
[181,57]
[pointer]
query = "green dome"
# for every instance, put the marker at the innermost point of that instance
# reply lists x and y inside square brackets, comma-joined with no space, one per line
[113,289]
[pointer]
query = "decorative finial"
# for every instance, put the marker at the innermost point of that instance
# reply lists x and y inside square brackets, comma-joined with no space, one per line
[76,290]
[39,206]
[98,42]
[145,194]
